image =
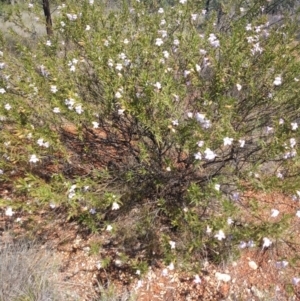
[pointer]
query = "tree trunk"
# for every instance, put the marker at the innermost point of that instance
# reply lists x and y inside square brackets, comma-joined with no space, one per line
[47,13]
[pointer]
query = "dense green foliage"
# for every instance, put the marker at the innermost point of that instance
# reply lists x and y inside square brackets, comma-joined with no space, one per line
[162,116]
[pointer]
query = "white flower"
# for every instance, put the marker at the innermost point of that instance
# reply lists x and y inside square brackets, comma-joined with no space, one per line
[158,42]
[298,213]
[248,27]
[72,68]
[91,2]
[209,154]
[118,95]
[198,156]
[274,212]
[79,109]
[250,244]
[171,266]
[208,230]
[95,124]
[109,228]
[88,27]
[189,114]
[292,142]
[220,235]
[172,244]
[48,43]
[227,141]
[7,107]
[242,142]
[229,221]
[30,5]
[9,211]
[53,89]
[2,91]
[157,85]
[281,121]
[115,206]
[239,87]
[213,40]
[294,126]
[121,111]
[119,66]
[217,187]
[1,172]
[266,242]
[194,17]
[33,159]
[198,68]
[182,1]
[277,81]
[56,110]
[126,41]
[161,10]
[197,279]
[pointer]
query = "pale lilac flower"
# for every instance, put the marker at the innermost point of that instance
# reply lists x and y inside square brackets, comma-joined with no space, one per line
[33,159]
[165,272]
[79,109]
[282,264]
[172,244]
[279,175]
[197,279]
[213,40]
[277,81]
[7,107]
[158,42]
[92,211]
[227,141]
[209,154]
[266,242]
[203,51]
[294,126]
[56,110]
[200,143]
[198,156]
[71,17]
[176,42]
[53,89]
[220,235]
[115,206]
[242,245]
[2,91]
[95,124]
[274,212]
[295,280]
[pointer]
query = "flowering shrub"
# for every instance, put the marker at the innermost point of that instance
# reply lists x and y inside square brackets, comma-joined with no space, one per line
[157,107]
